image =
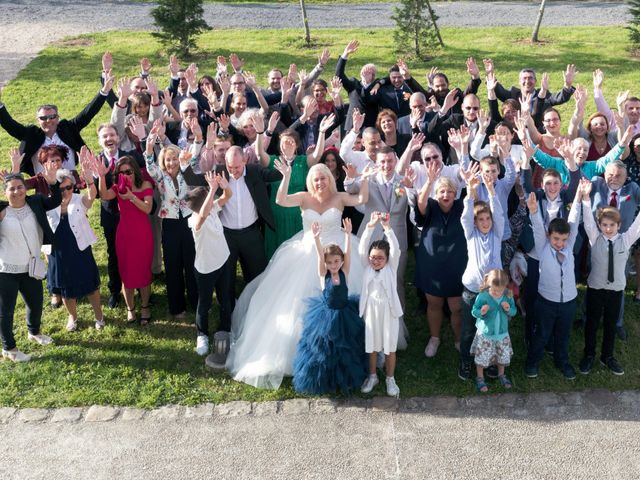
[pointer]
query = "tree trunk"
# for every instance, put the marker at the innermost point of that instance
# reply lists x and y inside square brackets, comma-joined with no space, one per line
[305,21]
[435,25]
[536,28]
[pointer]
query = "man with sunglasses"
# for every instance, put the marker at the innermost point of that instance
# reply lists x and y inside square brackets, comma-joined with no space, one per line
[441,123]
[52,130]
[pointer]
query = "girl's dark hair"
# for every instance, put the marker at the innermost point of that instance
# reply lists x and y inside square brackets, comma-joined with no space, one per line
[339,162]
[131,162]
[212,81]
[380,245]
[195,198]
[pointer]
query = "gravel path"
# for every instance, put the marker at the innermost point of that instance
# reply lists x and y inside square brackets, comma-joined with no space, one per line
[27,26]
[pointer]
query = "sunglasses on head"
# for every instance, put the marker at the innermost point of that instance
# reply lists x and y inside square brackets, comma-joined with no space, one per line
[126,172]
[67,188]
[44,118]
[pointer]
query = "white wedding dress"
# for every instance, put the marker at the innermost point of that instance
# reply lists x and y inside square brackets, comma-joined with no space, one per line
[267,320]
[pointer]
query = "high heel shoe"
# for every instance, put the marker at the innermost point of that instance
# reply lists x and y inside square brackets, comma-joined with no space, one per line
[145,320]
[131,316]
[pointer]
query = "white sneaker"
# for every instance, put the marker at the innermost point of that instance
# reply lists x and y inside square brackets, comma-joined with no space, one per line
[392,387]
[40,338]
[432,347]
[16,356]
[100,324]
[202,345]
[369,384]
[72,324]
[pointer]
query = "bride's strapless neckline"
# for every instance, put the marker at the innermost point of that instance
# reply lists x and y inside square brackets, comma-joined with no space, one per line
[321,214]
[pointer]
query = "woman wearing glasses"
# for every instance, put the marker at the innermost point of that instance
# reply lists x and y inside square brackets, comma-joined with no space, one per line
[134,240]
[72,269]
[23,231]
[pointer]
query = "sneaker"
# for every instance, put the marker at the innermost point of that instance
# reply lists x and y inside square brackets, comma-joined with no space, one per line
[218,358]
[622,333]
[72,325]
[491,371]
[369,384]
[432,347]
[40,338]
[392,387]
[613,365]
[531,372]
[568,372]
[464,371]
[180,316]
[586,365]
[16,356]
[202,345]
[100,324]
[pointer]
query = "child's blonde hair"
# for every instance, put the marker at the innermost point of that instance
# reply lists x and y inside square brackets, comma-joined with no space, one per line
[481,207]
[496,277]
[612,213]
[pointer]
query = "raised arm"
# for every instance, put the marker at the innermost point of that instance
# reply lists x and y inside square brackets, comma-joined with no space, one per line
[325,124]
[283,198]
[322,267]
[347,228]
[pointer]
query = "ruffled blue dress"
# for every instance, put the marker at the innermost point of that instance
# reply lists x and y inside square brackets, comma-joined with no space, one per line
[330,354]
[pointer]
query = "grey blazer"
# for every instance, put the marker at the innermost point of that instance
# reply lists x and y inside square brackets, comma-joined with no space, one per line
[628,200]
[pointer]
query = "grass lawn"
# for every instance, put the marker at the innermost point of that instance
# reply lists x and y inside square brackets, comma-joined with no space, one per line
[157,365]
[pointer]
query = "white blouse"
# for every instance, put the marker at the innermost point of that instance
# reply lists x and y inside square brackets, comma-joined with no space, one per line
[15,253]
[211,245]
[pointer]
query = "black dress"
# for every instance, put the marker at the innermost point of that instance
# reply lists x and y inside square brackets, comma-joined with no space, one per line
[441,256]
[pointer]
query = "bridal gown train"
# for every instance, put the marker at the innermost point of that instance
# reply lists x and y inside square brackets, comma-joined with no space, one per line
[267,320]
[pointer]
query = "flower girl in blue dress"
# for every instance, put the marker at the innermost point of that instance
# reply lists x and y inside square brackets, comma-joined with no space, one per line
[330,354]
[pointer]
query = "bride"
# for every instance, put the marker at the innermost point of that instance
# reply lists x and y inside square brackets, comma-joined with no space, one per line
[267,320]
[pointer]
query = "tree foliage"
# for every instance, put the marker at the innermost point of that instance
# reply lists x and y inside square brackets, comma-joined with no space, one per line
[416,28]
[180,22]
[634,23]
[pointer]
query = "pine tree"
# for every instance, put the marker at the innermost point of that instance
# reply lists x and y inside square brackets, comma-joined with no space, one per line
[179,21]
[634,23]
[416,28]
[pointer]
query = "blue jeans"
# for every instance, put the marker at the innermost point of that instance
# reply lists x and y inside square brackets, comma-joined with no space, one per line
[552,319]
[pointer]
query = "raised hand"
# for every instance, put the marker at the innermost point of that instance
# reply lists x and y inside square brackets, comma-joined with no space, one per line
[49,173]
[16,159]
[327,122]
[450,100]
[316,229]
[212,133]
[465,134]
[174,66]
[211,180]
[167,98]
[585,187]
[336,86]
[107,61]
[369,171]
[350,171]
[528,151]
[488,65]
[273,121]
[108,82]
[569,75]
[222,180]
[472,68]
[323,58]
[544,83]
[491,81]
[196,129]
[224,121]
[627,136]
[283,167]
[258,122]
[152,87]
[525,101]
[431,75]
[621,99]
[184,157]
[580,97]
[221,65]
[145,65]
[293,72]
[346,225]
[433,171]
[433,106]
[532,203]
[483,120]
[415,144]
[310,107]
[124,89]
[190,76]
[136,126]
[454,139]
[351,47]
[302,76]
[224,83]
[250,80]
[520,126]
[409,177]
[404,69]
[236,62]
[368,75]
[598,79]
[358,120]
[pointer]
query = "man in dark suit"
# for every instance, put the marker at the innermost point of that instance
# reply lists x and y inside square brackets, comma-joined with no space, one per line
[418,120]
[441,123]
[394,95]
[51,129]
[109,214]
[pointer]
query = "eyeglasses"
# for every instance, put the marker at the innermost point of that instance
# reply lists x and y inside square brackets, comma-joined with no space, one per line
[44,118]
[475,109]
[551,120]
[190,110]
[377,258]
[237,83]
[67,188]
[431,157]
[126,172]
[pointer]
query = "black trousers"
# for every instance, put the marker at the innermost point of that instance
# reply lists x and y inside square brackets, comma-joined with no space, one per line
[246,245]
[206,283]
[114,283]
[179,253]
[606,303]
[468,327]
[31,291]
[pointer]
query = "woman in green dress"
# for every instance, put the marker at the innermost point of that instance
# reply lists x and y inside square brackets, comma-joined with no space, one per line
[288,221]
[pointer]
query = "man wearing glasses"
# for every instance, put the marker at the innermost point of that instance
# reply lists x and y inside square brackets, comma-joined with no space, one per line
[52,130]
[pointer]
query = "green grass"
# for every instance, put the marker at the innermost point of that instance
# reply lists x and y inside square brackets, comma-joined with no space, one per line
[156,366]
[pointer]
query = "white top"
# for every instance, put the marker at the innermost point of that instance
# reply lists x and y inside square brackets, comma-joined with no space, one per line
[69,163]
[359,159]
[78,221]
[14,252]
[239,211]
[211,246]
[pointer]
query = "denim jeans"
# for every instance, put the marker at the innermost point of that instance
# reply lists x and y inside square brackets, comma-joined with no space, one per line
[552,319]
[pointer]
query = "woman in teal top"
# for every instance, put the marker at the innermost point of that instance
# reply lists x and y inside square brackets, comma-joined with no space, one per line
[288,221]
[580,149]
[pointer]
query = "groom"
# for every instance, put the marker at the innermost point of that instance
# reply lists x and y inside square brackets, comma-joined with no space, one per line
[387,194]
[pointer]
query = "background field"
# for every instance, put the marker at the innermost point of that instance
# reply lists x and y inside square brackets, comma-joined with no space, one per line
[156,365]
